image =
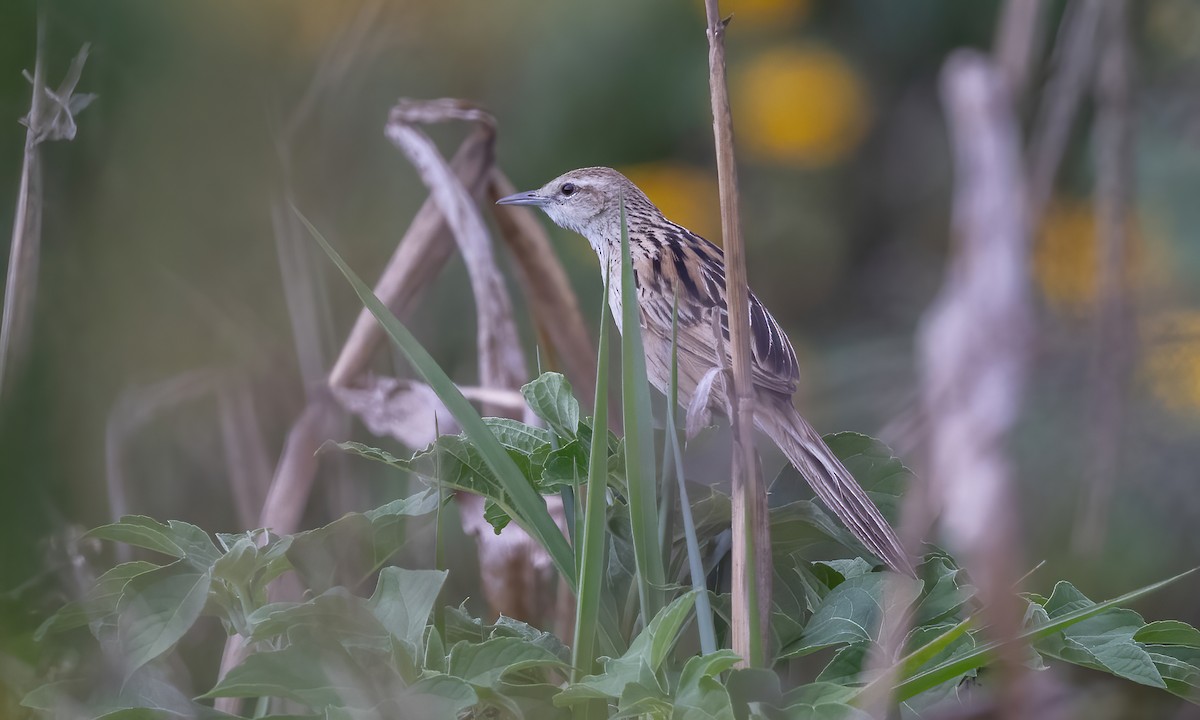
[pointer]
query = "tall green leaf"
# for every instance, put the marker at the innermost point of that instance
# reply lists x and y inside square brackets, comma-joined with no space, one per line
[591,566]
[639,441]
[704,617]
[528,505]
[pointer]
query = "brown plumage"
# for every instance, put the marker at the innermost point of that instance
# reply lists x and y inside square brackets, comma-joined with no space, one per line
[668,261]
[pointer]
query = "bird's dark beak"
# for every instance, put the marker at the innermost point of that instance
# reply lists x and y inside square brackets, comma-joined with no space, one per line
[525,198]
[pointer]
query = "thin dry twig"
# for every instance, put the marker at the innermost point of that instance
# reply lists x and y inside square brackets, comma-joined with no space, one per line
[1110,355]
[751,533]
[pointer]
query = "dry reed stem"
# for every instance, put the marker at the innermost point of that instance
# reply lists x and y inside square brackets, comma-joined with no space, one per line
[973,349]
[751,533]
[501,362]
[1110,354]
[1018,39]
[1074,60]
[560,326]
[51,117]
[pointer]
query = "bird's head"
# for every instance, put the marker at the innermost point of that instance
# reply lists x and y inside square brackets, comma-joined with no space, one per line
[587,201]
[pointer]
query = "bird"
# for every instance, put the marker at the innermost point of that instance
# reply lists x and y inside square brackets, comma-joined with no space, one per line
[675,267]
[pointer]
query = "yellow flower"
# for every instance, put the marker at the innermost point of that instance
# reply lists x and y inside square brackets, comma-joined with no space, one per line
[1171,364]
[799,105]
[1064,257]
[686,195]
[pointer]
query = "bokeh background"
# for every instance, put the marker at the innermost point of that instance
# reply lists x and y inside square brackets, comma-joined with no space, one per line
[159,260]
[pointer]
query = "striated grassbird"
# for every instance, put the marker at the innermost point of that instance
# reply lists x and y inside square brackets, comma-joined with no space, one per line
[669,262]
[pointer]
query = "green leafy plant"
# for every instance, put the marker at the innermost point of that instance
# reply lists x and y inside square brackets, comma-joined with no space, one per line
[363,642]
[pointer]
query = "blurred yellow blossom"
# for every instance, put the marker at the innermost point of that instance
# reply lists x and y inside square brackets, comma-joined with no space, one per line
[1064,257]
[1171,364]
[687,195]
[799,105]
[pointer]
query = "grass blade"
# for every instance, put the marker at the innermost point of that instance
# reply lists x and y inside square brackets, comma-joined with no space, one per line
[639,442]
[530,508]
[954,667]
[704,618]
[592,537]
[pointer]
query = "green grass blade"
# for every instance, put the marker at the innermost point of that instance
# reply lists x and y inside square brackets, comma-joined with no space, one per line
[954,667]
[704,618]
[530,508]
[593,539]
[639,442]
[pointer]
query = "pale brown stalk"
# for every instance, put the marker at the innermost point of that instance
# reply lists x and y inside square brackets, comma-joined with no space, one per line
[51,117]
[973,348]
[1110,355]
[751,532]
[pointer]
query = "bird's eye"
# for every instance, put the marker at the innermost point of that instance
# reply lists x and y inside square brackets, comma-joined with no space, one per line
[568,189]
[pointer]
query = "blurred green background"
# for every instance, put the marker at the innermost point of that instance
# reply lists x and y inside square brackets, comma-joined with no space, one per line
[158,257]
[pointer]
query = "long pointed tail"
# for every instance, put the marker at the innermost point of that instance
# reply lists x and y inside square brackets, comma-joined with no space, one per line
[830,479]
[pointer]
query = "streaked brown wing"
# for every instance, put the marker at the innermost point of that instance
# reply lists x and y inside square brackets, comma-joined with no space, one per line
[674,259]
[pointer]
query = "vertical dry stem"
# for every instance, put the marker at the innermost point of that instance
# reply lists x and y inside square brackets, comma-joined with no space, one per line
[751,533]
[973,347]
[1114,169]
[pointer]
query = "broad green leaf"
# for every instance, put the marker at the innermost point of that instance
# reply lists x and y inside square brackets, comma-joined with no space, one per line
[700,695]
[336,612]
[175,538]
[943,596]
[238,564]
[157,608]
[1182,677]
[297,672]
[317,671]
[484,664]
[848,568]
[403,601]
[508,627]
[1168,632]
[936,675]
[437,696]
[847,665]
[529,507]
[99,602]
[550,398]
[640,701]
[851,612]
[640,663]
[567,463]
[355,545]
